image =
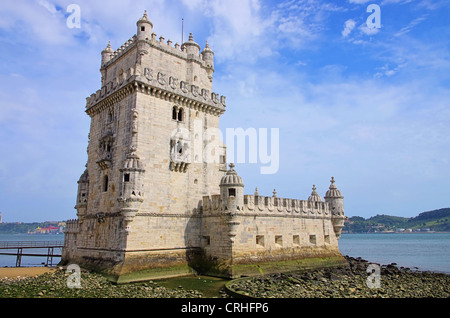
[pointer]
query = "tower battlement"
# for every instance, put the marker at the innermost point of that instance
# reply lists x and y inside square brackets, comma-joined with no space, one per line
[270,206]
[155,67]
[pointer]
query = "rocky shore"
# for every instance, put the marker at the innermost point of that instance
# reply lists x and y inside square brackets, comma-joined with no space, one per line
[349,282]
[54,285]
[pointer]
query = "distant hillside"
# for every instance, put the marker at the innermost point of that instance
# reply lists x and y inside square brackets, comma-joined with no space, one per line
[436,220]
[22,228]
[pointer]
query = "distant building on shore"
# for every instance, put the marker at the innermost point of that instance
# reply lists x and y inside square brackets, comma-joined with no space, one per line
[0,217]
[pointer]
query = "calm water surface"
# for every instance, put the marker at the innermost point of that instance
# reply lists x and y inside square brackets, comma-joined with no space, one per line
[426,251]
[28,261]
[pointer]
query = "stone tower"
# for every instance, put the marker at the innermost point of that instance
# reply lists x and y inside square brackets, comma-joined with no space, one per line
[156,198]
[139,198]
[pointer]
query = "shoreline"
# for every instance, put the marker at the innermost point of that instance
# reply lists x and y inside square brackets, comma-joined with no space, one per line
[340,282]
[14,272]
[352,282]
[431,232]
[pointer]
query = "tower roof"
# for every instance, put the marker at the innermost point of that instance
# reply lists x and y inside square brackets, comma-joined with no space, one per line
[108,48]
[314,195]
[84,177]
[231,178]
[207,48]
[145,19]
[333,191]
[132,162]
[191,42]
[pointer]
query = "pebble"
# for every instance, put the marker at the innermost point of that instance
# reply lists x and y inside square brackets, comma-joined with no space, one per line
[54,285]
[350,282]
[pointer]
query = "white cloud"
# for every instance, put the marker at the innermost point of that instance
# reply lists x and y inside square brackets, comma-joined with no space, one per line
[410,26]
[238,28]
[348,27]
[50,7]
[328,122]
[359,1]
[368,31]
[350,127]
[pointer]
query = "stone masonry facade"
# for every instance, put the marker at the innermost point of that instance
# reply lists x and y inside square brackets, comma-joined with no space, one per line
[157,199]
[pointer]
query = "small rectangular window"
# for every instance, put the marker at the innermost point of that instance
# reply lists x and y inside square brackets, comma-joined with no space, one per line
[142,28]
[279,240]
[105,183]
[206,240]
[312,239]
[296,240]
[260,240]
[232,192]
[126,177]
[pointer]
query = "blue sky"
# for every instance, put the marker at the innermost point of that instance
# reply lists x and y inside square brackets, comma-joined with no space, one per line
[370,107]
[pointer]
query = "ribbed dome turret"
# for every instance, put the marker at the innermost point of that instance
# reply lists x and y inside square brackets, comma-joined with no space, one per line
[108,48]
[207,49]
[191,46]
[314,195]
[107,53]
[144,28]
[84,177]
[231,178]
[133,163]
[333,192]
[144,19]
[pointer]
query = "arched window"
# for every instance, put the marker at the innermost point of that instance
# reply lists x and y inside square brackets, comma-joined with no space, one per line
[177,113]
[174,113]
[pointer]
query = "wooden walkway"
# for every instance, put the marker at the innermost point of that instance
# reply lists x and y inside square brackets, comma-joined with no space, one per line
[20,246]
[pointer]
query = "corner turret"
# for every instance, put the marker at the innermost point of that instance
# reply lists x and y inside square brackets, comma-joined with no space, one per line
[83,194]
[336,202]
[107,54]
[192,48]
[232,190]
[208,58]
[315,197]
[144,28]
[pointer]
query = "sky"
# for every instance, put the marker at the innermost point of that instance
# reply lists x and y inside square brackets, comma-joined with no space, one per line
[361,95]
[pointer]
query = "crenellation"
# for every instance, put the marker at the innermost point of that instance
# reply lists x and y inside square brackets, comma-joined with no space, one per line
[161,87]
[272,206]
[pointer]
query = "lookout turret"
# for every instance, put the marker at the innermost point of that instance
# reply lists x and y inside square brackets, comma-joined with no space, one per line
[192,48]
[232,190]
[144,27]
[208,58]
[336,201]
[107,54]
[315,197]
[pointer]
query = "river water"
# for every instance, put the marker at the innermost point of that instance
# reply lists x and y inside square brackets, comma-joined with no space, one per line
[426,251]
